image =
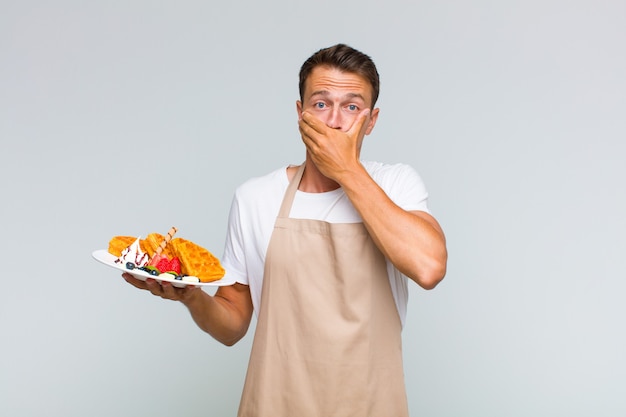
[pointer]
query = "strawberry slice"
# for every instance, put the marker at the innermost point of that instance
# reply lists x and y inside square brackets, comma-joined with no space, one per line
[156,259]
[163,265]
[168,265]
[175,265]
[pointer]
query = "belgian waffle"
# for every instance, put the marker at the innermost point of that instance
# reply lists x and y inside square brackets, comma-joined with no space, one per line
[119,243]
[196,260]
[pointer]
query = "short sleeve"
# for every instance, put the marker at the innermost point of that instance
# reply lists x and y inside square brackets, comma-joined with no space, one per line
[233,259]
[403,185]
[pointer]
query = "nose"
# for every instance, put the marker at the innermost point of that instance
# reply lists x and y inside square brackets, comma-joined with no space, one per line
[335,119]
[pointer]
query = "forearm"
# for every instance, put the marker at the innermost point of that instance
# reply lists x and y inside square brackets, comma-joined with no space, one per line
[412,241]
[225,319]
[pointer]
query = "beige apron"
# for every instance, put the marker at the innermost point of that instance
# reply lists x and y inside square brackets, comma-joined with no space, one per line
[327,341]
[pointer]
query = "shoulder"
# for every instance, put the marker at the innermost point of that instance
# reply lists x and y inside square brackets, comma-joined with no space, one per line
[391,173]
[401,182]
[259,198]
[263,186]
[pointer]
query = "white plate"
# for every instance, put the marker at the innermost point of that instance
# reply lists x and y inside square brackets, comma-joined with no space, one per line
[106,258]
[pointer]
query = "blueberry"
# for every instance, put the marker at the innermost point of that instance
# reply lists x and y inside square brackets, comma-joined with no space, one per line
[154,272]
[130,265]
[178,277]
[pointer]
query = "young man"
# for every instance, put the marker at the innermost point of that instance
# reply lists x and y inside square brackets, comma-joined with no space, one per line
[321,253]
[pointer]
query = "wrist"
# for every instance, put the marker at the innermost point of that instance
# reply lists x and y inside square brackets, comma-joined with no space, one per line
[192,297]
[350,178]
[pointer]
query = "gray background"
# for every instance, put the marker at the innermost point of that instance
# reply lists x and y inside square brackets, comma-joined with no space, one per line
[127,117]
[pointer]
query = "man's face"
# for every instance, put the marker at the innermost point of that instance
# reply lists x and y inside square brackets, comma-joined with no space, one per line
[336,98]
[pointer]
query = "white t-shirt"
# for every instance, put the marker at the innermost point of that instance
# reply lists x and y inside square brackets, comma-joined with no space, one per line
[256,204]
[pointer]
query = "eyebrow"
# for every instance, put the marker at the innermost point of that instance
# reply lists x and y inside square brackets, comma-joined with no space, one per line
[348,95]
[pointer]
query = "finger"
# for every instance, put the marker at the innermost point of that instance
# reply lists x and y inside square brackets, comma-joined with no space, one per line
[308,136]
[312,122]
[169,292]
[154,287]
[134,281]
[187,292]
[304,130]
[306,133]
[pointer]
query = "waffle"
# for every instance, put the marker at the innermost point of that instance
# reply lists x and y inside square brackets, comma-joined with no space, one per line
[119,243]
[152,242]
[196,261]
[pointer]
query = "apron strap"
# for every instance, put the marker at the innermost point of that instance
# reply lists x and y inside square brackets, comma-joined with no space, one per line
[285,208]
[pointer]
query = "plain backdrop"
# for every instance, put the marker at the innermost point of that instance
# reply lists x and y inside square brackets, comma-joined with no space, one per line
[129,117]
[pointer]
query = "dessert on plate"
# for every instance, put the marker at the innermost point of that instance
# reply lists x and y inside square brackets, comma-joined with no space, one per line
[158,254]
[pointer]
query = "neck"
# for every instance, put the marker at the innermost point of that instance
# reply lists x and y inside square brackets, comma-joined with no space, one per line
[313,181]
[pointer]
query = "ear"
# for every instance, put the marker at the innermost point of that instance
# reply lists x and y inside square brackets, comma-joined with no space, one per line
[299,109]
[372,121]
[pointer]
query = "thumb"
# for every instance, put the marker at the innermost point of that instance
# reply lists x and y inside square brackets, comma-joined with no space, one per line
[359,125]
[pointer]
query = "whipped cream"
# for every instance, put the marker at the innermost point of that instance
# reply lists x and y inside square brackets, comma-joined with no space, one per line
[134,254]
[188,278]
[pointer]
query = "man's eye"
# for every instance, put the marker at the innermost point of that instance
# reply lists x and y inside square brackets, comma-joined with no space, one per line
[320,105]
[353,107]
